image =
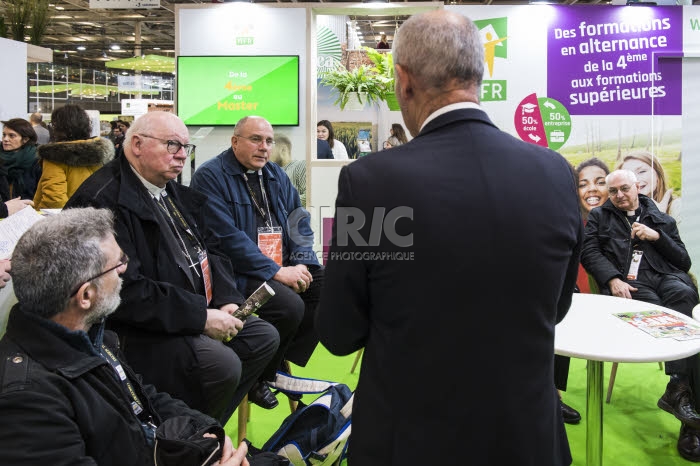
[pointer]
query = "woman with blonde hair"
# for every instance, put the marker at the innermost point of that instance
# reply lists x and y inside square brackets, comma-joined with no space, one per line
[652,181]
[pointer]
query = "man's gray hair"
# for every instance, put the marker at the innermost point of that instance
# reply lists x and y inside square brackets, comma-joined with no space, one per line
[57,255]
[629,176]
[439,46]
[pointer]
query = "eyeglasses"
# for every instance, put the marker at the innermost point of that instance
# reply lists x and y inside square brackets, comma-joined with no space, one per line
[258,140]
[173,146]
[625,189]
[123,260]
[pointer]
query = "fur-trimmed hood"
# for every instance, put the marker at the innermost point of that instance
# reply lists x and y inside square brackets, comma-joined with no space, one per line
[81,153]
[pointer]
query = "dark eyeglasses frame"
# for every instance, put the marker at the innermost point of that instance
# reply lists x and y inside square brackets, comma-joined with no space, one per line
[123,260]
[173,147]
[258,140]
[625,189]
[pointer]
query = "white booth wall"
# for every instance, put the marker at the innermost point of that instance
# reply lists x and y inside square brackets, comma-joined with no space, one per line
[13,79]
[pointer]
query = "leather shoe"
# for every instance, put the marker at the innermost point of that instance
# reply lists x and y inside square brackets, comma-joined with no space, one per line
[677,400]
[262,396]
[570,415]
[689,443]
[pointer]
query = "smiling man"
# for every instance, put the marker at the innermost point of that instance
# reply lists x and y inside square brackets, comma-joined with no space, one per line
[175,318]
[634,251]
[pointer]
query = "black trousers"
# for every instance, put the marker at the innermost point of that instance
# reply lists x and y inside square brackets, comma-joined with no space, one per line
[229,370]
[671,292]
[292,315]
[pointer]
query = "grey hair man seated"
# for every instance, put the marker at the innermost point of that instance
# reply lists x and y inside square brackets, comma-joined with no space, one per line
[65,395]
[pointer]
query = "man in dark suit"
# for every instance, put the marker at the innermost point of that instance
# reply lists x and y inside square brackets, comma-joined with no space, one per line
[460,246]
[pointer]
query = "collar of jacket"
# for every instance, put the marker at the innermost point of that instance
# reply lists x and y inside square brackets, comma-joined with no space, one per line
[80,153]
[71,353]
[233,167]
[133,195]
[456,116]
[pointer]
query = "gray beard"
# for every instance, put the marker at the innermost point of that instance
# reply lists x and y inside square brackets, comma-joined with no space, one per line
[104,306]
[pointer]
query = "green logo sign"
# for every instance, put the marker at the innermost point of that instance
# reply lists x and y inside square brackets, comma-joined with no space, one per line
[329,51]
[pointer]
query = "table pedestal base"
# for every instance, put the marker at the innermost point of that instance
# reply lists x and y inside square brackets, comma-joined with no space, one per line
[594,414]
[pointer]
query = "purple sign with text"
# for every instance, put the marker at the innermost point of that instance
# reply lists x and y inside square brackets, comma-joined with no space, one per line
[616,60]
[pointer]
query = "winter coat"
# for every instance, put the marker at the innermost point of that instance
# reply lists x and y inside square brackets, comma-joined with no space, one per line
[65,166]
[62,403]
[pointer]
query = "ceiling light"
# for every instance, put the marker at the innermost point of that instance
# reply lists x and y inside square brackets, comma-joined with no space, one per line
[114,47]
[81,47]
[156,48]
[60,8]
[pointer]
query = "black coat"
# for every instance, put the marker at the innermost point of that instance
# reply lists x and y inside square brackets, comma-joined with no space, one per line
[607,247]
[62,406]
[160,311]
[495,232]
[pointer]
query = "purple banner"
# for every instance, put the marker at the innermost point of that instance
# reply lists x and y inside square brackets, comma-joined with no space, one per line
[610,61]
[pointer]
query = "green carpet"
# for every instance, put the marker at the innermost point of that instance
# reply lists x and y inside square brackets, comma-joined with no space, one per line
[635,431]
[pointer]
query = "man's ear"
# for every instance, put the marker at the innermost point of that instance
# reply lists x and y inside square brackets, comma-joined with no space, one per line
[85,297]
[404,83]
[136,142]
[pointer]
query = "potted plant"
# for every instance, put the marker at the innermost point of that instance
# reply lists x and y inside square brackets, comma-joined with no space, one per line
[355,87]
[384,67]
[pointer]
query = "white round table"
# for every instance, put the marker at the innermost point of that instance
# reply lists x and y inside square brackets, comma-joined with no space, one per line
[591,331]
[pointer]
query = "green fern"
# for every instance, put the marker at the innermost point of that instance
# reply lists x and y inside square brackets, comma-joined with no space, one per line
[368,84]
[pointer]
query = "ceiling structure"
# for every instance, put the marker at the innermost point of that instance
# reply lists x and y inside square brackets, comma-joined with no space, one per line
[80,35]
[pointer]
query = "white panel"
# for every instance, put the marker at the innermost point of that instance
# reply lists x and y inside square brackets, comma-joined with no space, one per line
[229,29]
[13,79]
[324,189]
[690,226]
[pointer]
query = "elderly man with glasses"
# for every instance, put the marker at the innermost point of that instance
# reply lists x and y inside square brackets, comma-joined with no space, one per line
[175,318]
[255,214]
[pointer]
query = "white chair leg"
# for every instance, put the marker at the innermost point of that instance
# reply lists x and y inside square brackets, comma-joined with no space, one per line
[357,359]
[611,382]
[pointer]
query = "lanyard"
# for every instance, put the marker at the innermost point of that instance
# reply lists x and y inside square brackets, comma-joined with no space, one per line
[164,197]
[255,200]
[136,404]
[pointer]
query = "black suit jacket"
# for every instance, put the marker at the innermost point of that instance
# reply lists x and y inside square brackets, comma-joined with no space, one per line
[496,234]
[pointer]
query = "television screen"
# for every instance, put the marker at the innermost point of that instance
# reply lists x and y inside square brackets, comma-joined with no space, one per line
[216,90]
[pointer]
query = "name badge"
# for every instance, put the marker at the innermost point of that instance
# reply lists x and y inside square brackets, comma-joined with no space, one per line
[270,243]
[634,265]
[206,274]
[120,371]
